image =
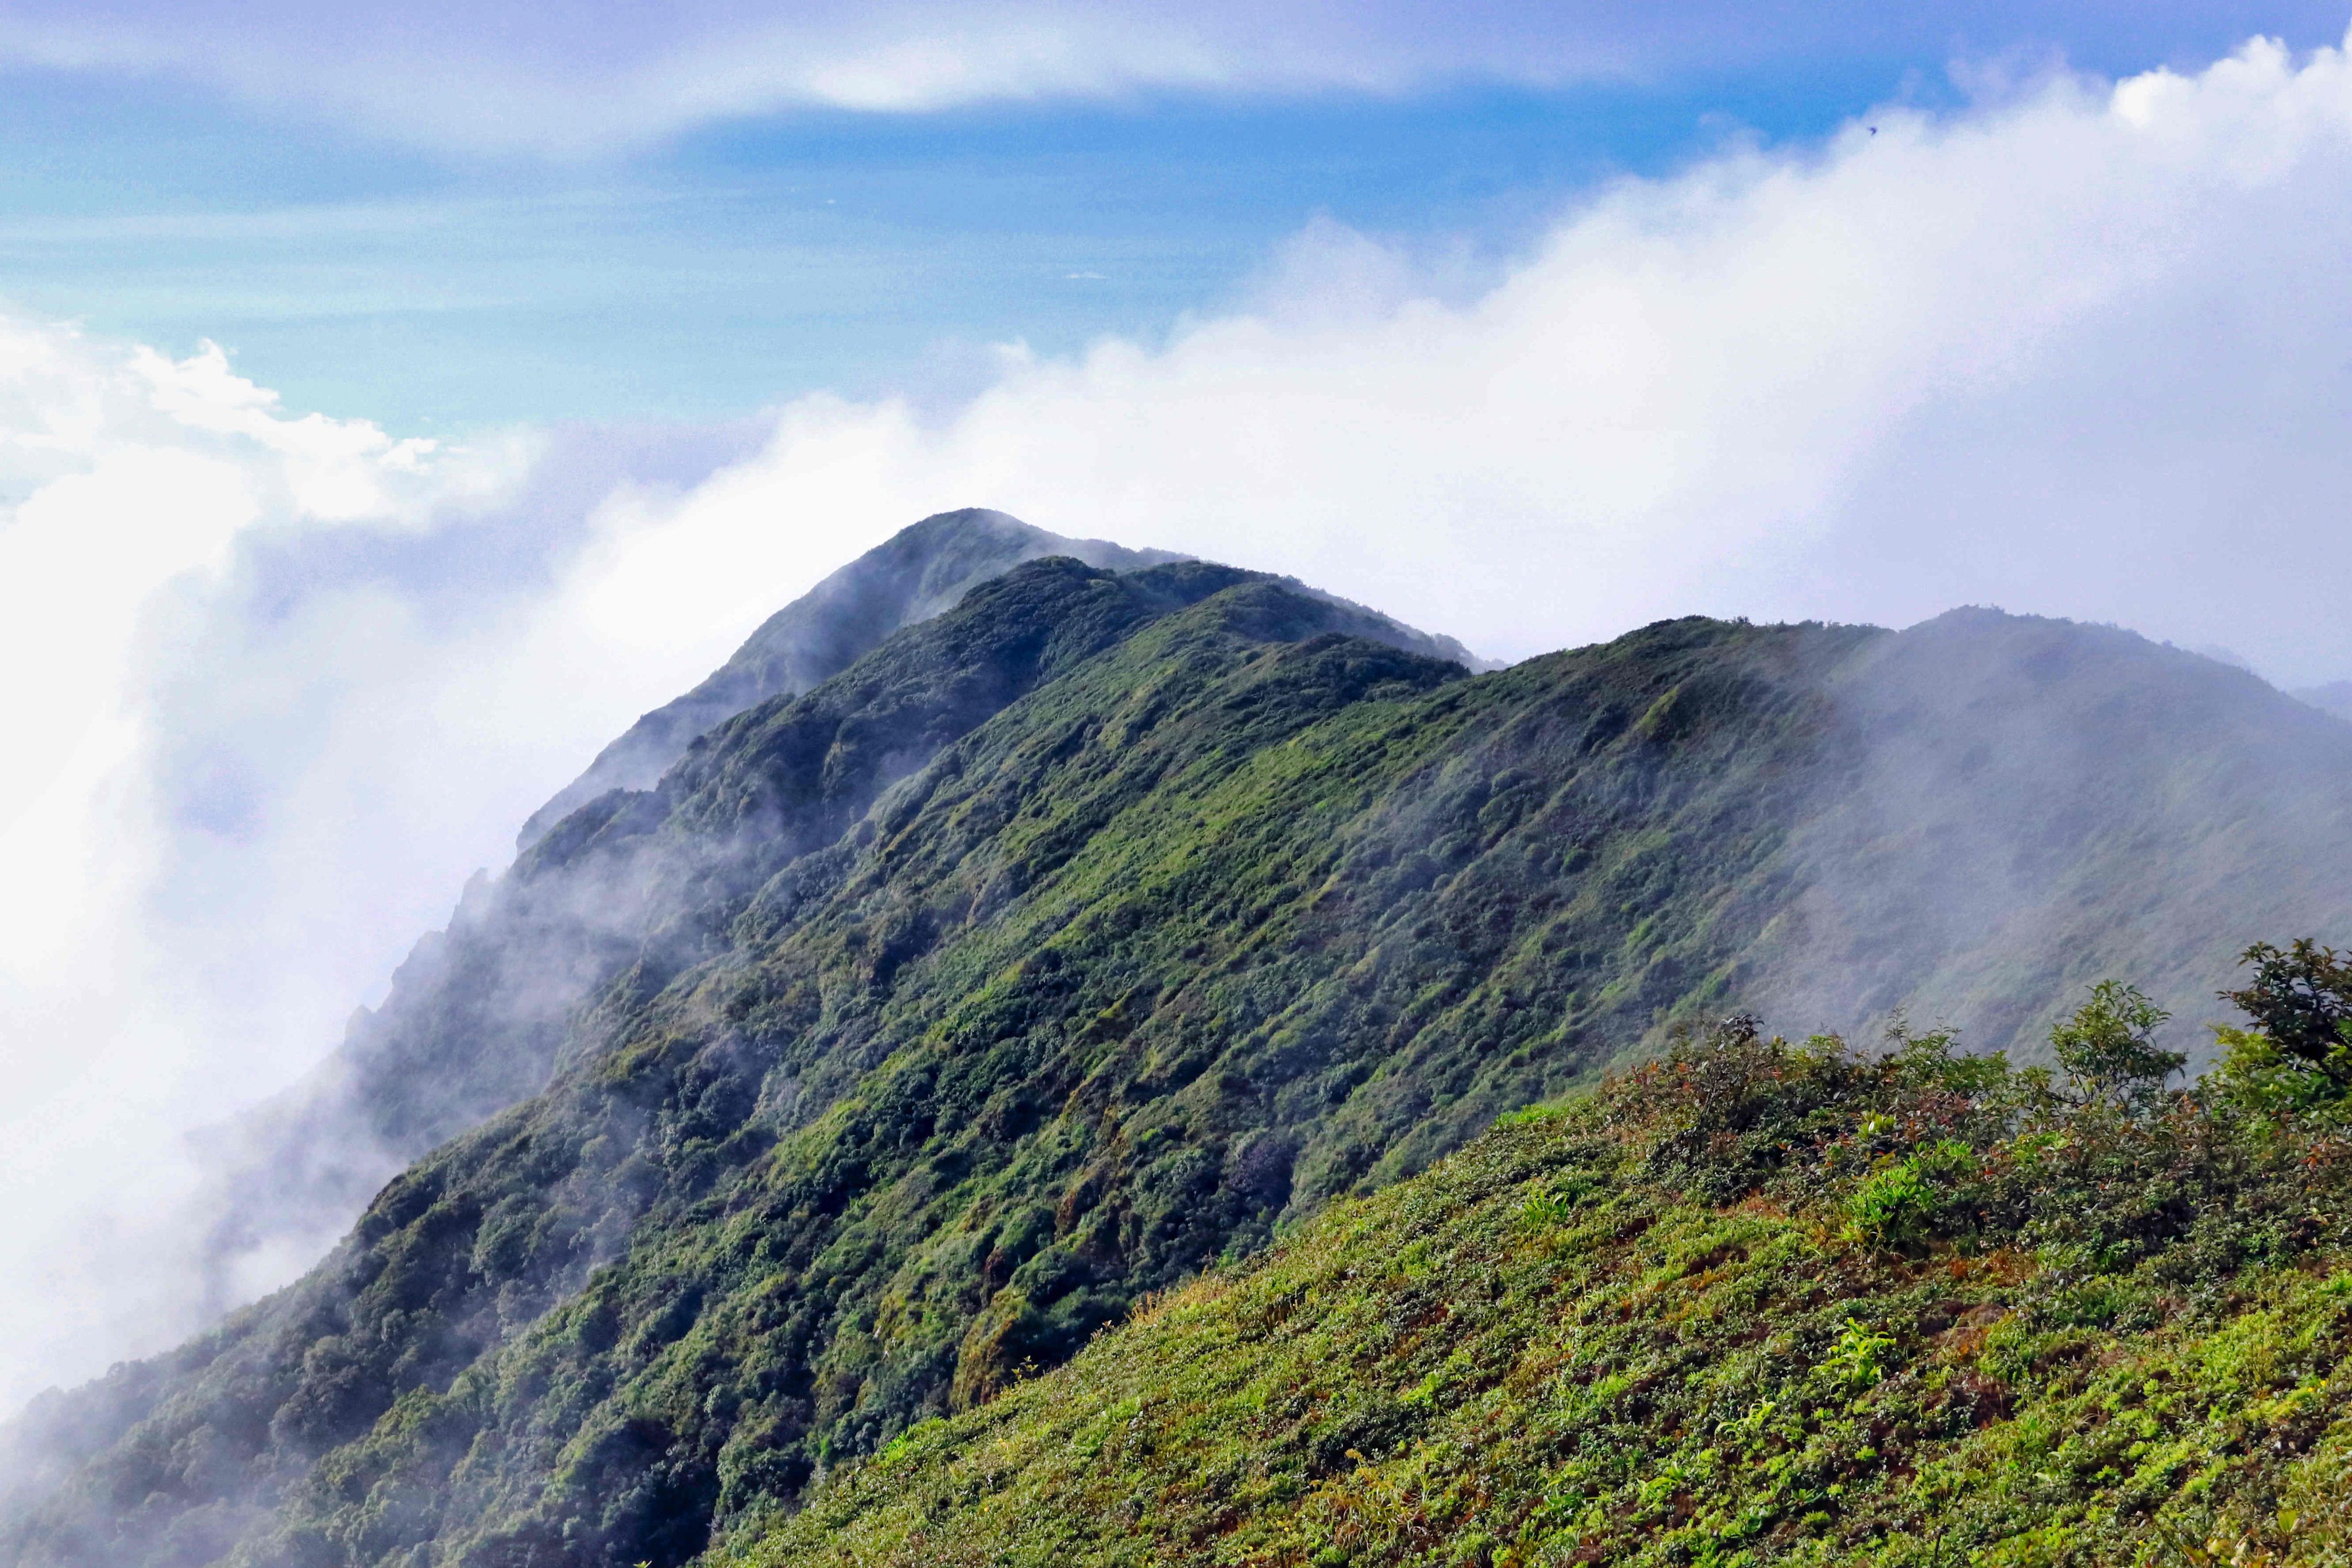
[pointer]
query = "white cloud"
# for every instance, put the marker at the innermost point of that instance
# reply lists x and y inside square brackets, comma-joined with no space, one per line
[2088,351]
[125,478]
[276,686]
[278,683]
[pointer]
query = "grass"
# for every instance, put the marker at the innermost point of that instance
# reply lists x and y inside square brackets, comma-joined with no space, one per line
[1756,1304]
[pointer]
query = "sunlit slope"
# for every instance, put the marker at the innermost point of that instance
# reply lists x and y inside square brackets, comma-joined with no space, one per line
[1056,949]
[1757,1305]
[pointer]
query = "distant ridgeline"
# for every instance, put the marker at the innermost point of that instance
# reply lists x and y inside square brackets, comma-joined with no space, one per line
[1010,936]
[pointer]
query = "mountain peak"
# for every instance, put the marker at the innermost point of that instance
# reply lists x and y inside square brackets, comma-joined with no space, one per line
[915,573]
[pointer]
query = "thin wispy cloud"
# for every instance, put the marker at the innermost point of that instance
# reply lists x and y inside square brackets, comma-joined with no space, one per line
[590,76]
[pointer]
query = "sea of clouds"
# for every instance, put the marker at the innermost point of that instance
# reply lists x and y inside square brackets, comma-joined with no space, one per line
[277,683]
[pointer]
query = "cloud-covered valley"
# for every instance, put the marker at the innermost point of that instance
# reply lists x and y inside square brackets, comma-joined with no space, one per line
[279,684]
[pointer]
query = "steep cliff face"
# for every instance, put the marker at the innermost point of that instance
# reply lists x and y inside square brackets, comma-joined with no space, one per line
[1066,942]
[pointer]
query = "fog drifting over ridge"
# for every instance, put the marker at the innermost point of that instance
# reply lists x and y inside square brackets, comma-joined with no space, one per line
[280,684]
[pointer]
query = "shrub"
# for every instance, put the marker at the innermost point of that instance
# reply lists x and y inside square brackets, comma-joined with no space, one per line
[1898,1205]
[2301,1001]
[2106,1051]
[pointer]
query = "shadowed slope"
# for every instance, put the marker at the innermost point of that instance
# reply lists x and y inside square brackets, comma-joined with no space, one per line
[2034,805]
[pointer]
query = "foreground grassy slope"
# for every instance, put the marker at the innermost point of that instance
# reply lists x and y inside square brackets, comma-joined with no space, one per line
[1754,1304]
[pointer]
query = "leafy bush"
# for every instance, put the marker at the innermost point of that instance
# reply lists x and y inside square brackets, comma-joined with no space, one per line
[2300,1002]
[1898,1205]
[2106,1051]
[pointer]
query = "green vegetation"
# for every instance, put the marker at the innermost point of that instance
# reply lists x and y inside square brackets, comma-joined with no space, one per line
[1757,1303]
[1199,913]
[2107,1052]
[2301,1001]
[1109,926]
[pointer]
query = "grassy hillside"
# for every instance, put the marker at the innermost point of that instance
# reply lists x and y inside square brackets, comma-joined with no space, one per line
[1754,1304]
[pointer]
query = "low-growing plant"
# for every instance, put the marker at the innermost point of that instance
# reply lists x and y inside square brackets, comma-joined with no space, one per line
[1898,1205]
[1859,1358]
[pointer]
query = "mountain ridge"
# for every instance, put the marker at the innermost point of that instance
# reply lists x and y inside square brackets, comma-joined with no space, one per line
[474,1014]
[1076,938]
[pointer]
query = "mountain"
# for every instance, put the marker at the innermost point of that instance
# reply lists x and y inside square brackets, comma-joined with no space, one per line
[2335,697]
[912,1029]
[921,571]
[476,1015]
[1689,1319]
[2034,805]
[915,574]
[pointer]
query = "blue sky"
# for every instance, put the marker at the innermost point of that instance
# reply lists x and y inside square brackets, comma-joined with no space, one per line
[392,250]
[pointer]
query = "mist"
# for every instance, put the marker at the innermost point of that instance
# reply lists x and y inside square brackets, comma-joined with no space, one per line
[281,685]
[2022,807]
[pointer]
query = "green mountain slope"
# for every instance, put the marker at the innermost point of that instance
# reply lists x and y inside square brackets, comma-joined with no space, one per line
[477,1015]
[1754,1305]
[1067,943]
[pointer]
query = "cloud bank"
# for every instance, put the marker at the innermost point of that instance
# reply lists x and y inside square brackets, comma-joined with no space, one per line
[277,684]
[2086,352]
